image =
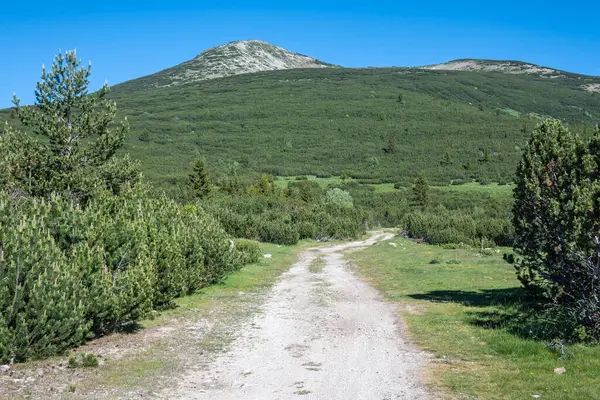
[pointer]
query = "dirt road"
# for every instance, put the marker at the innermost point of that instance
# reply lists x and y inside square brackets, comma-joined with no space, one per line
[322,334]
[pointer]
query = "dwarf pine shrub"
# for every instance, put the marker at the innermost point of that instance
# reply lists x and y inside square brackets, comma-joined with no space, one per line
[68,273]
[442,226]
[42,297]
[247,251]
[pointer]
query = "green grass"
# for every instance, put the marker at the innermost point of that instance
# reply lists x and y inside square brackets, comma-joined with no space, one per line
[283,181]
[385,188]
[493,189]
[465,309]
[316,265]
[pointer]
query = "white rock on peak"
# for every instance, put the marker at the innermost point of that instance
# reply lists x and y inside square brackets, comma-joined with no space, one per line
[235,58]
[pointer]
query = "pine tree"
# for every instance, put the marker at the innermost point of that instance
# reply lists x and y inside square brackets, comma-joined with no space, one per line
[556,219]
[79,131]
[199,181]
[264,187]
[421,191]
[232,183]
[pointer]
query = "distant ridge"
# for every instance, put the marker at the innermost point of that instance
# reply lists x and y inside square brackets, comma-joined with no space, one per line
[505,66]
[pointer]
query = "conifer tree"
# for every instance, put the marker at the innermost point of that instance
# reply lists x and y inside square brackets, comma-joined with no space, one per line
[199,180]
[232,184]
[556,219]
[79,131]
[421,191]
[264,187]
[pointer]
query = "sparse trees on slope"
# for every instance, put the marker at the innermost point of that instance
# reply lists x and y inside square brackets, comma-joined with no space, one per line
[77,154]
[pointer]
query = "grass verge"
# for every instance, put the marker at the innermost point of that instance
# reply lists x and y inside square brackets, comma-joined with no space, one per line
[467,310]
[492,189]
[316,265]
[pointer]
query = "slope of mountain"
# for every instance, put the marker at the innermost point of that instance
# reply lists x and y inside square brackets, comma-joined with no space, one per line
[326,121]
[235,58]
[448,123]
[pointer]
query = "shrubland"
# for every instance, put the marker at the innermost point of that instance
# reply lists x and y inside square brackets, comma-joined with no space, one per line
[338,209]
[85,247]
[450,125]
[70,273]
[303,210]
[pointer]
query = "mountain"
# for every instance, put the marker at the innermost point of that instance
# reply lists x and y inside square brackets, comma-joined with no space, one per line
[505,66]
[296,116]
[517,68]
[235,58]
[325,121]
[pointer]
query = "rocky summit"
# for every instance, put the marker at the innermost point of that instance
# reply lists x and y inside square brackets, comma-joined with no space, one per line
[509,67]
[235,58]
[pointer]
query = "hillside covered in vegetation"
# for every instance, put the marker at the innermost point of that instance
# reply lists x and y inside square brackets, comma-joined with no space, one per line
[450,125]
[380,124]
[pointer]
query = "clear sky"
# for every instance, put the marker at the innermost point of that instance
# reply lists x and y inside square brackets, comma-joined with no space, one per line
[128,39]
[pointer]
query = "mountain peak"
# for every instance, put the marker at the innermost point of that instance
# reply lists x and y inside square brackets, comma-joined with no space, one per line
[505,66]
[234,58]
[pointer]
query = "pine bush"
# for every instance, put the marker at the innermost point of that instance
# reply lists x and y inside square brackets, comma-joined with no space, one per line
[42,298]
[247,251]
[68,273]
[556,219]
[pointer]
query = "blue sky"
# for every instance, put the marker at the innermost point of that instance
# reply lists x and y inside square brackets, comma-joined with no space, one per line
[129,39]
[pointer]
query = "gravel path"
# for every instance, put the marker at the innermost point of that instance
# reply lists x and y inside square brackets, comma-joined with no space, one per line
[322,334]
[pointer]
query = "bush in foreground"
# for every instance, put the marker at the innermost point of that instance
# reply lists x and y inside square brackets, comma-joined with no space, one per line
[69,273]
[556,219]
